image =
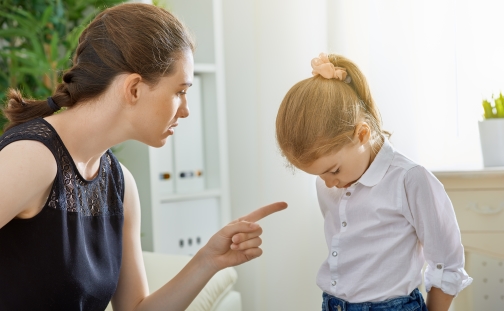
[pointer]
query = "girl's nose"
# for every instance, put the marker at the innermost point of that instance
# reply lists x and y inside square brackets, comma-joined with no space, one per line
[330,182]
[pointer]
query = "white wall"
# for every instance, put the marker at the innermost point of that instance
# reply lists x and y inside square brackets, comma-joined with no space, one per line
[429,64]
[268,48]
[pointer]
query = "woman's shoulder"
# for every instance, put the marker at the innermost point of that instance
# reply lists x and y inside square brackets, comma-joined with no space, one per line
[37,129]
[36,133]
[27,171]
[27,156]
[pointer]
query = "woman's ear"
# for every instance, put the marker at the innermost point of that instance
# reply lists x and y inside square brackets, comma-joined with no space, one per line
[131,88]
[362,133]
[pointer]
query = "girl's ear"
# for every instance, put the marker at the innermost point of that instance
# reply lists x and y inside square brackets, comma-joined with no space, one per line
[362,133]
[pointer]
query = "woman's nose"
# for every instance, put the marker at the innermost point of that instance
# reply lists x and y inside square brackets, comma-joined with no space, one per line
[183,111]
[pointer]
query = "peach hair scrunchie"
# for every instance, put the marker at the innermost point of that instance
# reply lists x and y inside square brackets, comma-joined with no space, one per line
[322,66]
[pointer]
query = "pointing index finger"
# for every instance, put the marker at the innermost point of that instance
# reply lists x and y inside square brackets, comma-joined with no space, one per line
[264,211]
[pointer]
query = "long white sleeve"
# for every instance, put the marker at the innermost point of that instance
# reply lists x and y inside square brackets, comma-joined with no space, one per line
[435,223]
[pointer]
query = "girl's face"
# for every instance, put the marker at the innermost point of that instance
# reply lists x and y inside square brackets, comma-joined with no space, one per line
[161,105]
[344,167]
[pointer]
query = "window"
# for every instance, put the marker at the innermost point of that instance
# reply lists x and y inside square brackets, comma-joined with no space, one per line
[429,65]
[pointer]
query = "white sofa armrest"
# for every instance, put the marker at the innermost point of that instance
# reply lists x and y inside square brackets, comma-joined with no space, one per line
[217,295]
[161,267]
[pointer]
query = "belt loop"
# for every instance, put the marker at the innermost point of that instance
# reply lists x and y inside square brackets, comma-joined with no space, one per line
[326,303]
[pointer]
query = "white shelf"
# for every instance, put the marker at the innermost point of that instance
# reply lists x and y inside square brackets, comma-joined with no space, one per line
[204,68]
[190,196]
[470,172]
[171,211]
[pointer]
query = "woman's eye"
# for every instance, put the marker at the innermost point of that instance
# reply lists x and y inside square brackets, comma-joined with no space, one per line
[335,172]
[184,92]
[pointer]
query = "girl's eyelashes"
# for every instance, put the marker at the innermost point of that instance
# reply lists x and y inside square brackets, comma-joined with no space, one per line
[184,92]
[335,172]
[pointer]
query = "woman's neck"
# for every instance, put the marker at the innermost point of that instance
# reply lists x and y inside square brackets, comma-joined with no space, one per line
[87,131]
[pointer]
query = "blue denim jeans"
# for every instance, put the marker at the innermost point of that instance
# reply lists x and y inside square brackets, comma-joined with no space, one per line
[413,302]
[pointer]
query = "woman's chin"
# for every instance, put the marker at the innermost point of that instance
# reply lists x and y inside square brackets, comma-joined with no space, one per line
[157,143]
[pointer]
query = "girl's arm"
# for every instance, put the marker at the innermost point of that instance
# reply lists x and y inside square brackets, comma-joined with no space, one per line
[27,171]
[437,300]
[430,211]
[220,252]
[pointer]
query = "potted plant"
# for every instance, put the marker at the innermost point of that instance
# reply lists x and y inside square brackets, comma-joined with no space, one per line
[491,130]
[37,39]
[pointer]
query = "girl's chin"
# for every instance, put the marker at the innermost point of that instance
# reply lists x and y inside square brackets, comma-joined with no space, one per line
[345,186]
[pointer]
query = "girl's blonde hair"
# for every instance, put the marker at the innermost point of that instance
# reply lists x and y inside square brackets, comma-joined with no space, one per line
[318,115]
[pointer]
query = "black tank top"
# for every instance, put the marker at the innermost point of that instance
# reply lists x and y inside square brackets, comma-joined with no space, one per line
[68,256]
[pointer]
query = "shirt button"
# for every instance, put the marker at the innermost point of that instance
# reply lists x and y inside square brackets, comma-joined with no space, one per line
[343,224]
[439,266]
[333,283]
[335,254]
[348,193]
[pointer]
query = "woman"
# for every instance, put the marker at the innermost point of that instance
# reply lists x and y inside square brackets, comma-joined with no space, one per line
[69,211]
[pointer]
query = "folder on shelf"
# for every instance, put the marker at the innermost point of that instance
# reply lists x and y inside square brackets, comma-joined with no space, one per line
[163,173]
[183,227]
[188,145]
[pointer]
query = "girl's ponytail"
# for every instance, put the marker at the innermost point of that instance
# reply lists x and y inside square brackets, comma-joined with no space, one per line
[361,88]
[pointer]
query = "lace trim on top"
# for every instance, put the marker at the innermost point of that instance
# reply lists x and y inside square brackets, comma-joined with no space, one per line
[101,196]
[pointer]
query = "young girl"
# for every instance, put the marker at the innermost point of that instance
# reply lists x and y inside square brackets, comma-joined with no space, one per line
[69,211]
[384,214]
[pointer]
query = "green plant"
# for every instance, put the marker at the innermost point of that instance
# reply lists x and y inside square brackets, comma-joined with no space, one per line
[495,109]
[37,39]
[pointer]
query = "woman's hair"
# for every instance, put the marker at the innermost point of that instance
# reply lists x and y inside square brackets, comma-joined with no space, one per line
[127,38]
[318,115]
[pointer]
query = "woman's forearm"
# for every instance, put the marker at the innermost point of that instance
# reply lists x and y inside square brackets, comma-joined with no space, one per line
[179,292]
[234,244]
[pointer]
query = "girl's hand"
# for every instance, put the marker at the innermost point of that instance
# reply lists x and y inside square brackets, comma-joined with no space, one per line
[239,241]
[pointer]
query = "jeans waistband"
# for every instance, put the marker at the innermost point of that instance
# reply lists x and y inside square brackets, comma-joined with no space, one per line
[413,302]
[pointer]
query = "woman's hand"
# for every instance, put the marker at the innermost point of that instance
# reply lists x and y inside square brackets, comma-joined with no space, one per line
[239,241]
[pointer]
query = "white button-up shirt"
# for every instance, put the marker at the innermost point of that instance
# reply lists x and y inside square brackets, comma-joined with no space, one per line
[379,229]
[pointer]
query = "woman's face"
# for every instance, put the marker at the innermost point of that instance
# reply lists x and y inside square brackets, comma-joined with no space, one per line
[161,105]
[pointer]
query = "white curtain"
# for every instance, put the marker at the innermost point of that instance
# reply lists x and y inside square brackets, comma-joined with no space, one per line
[429,65]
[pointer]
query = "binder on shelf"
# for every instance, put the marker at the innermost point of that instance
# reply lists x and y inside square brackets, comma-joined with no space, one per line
[184,227]
[188,145]
[164,173]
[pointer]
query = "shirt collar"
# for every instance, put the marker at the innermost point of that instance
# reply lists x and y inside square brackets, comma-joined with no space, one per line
[380,165]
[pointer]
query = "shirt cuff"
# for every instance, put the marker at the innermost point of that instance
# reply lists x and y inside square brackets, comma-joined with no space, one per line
[450,282]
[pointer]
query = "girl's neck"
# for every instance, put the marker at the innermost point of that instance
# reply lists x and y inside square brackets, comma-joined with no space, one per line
[375,148]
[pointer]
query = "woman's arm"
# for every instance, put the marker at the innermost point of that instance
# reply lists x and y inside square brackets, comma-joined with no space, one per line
[234,244]
[437,300]
[132,287]
[27,171]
